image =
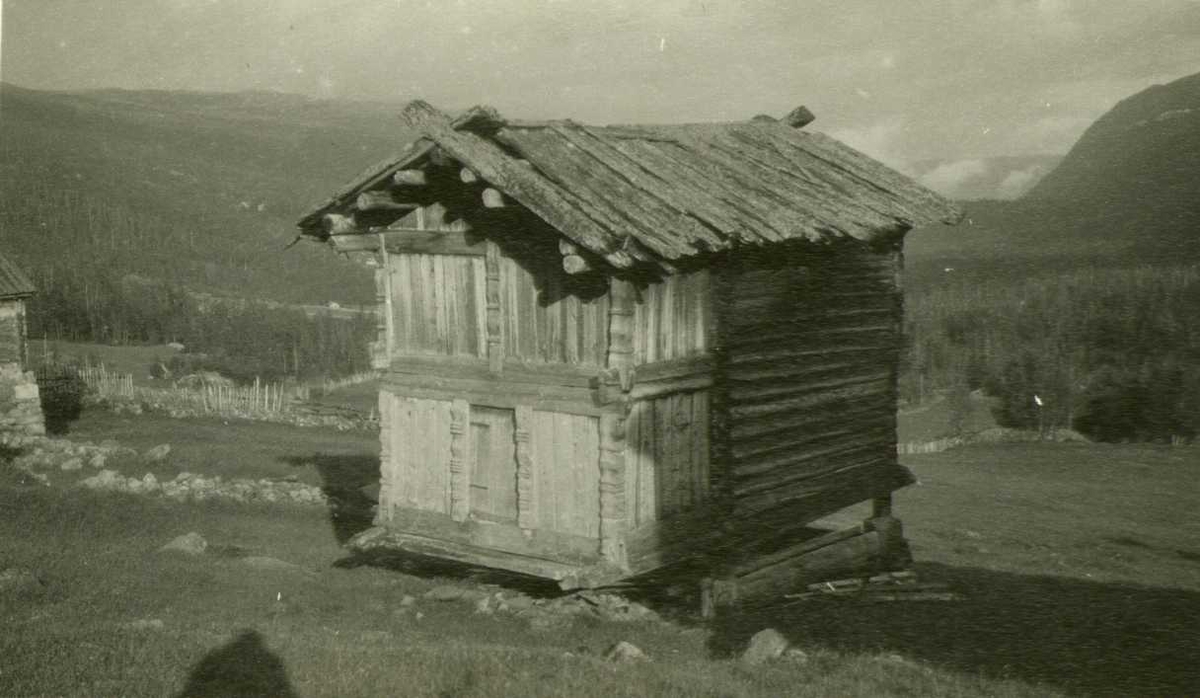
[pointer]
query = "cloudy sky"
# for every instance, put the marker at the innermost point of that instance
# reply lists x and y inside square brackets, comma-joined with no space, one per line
[904,80]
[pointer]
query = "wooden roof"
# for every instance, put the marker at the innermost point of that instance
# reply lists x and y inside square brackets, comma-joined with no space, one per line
[661,193]
[13,282]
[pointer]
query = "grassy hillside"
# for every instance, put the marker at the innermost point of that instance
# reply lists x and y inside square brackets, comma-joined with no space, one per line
[202,189]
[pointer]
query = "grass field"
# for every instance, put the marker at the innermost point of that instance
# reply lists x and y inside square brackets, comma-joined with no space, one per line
[1079,564]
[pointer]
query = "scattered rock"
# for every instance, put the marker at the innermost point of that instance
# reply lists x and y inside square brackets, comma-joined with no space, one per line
[764,646]
[190,543]
[484,606]
[796,655]
[625,652]
[376,636]
[445,592]
[518,603]
[98,460]
[157,453]
[407,601]
[70,464]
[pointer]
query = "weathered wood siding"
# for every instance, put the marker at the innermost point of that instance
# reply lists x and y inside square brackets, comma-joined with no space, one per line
[549,324]
[809,345]
[565,452]
[12,332]
[414,453]
[437,305]
[666,456]
[672,318]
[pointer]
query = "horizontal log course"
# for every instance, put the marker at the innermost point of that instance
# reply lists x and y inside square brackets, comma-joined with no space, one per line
[825,494]
[752,403]
[810,434]
[411,240]
[880,335]
[766,433]
[756,476]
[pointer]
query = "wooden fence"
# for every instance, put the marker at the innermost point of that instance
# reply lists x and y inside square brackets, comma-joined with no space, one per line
[210,398]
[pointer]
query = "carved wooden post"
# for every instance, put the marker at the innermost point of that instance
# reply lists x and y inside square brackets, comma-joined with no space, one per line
[387,484]
[389,321]
[495,347]
[526,511]
[612,425]
[460,483]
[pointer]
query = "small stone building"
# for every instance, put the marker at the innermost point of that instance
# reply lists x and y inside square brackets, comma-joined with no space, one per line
[20,406]
[608,351]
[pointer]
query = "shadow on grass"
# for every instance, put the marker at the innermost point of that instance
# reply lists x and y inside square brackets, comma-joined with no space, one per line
[348,481]
[242,667]
[1083,637]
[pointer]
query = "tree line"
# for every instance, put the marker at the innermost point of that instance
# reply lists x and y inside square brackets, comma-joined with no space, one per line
[238,339]
[1112,353]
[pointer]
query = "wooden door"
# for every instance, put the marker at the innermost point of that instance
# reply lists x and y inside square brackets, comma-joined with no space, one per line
[494,468]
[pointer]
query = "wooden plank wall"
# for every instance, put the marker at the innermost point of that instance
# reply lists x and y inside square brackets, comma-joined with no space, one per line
[415,453]
[565,451]
[806,373]
[542,327]
[666,456]
[438,304]
[672,318]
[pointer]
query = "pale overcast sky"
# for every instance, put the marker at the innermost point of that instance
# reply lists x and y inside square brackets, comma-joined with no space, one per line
[904,80]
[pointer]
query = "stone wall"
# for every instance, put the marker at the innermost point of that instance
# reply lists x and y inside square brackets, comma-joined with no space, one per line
[20,403]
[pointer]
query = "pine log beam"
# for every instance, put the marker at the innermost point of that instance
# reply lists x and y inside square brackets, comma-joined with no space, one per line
[410,240]
[799,117]
[548,201]
[480,119]
[468,176]
[573,262]
[410,178]
[382,201]
[337,224]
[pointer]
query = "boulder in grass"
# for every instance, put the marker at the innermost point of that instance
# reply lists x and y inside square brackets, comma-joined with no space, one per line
[157,453]
[189,543]
[766,645]
[625,652]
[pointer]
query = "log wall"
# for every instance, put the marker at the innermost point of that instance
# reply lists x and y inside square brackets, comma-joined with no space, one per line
[806,369]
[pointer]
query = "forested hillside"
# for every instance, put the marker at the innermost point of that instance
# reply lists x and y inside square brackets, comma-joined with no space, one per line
[199,189]
[1127,192]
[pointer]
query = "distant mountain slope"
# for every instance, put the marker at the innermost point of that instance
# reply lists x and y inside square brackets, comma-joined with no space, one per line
[1127,192]
[1003,178]
[202,189]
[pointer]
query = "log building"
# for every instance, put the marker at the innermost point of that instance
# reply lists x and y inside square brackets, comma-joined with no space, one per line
[20,403]
[607,351]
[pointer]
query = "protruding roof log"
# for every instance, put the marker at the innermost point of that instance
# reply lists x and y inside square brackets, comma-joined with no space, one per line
[492,198]
[480,119]
[381,201]
[799,117]
[410,178]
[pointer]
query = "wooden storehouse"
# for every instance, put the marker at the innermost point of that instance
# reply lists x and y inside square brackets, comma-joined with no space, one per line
[607,351]
[20,402]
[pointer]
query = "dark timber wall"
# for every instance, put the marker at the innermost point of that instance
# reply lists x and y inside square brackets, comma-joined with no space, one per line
[805,396]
